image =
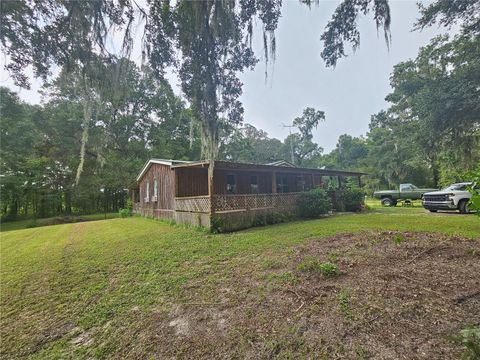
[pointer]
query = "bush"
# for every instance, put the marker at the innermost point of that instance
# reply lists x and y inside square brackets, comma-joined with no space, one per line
[352,199]
[314,203]
[125,213]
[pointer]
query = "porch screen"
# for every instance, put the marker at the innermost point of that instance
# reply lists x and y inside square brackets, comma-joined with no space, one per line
[231,184]
[254,184]
[282,184]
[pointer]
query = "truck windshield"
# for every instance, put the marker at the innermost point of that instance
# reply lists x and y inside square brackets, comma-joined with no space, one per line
[456,187]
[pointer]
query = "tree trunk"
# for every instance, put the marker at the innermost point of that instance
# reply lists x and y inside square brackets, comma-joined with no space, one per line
[68,202]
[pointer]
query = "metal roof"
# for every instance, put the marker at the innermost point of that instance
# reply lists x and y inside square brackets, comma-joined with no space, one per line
[249,166]
[169,162]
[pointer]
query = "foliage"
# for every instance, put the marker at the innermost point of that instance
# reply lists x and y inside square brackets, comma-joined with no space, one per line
[415,140]
[220,224]
[449,13]
[474,189]
[313,203]
[398,239]
[123,213]
[141,119]
[470,338]
[312,264]
[352,198]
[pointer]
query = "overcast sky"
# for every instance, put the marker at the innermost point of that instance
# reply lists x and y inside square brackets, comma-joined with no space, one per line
[349,94]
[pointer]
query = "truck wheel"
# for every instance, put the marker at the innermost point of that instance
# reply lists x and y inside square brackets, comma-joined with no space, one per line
[388,202]
[432,210]
[463,206]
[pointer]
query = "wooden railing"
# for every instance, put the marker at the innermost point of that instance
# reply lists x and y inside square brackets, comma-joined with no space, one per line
[254,201]
[220,203]
[199,204]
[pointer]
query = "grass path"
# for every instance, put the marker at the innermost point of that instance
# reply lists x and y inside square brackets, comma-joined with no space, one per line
[87,289]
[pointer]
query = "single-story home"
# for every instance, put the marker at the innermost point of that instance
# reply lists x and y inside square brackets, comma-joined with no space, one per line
[180,190]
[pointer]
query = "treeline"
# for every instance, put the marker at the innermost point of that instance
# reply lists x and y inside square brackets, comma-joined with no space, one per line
[430,134]
[134,116]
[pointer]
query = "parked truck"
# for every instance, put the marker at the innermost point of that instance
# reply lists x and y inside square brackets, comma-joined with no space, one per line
[453,197]
[406,191]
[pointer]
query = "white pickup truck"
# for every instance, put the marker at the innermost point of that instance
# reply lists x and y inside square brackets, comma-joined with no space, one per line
[453,197]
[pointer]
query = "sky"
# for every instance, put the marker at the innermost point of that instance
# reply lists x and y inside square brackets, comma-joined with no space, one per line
[349,93]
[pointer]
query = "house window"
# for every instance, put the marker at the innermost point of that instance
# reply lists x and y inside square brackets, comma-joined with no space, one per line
[231,184]
[254,184]
[147,192]
[282,184]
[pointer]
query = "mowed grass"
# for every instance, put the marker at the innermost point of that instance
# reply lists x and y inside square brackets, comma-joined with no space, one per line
[30,223]
[93,289]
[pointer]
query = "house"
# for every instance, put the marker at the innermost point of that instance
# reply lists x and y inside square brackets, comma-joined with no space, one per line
[179,190]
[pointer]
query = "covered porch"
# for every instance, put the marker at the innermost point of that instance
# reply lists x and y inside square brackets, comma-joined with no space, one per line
[250,187]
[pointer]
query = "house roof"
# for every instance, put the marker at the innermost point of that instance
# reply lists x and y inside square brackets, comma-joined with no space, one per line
[281,163]
[268,167]
[161,162]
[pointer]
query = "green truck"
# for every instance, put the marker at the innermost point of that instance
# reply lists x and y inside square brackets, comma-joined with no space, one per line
[406,191]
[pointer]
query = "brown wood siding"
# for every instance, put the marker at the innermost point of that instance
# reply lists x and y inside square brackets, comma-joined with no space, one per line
[166,188]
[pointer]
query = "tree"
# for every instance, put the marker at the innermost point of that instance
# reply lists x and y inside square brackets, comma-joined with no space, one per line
[300,145]
[251,145]
[439,93]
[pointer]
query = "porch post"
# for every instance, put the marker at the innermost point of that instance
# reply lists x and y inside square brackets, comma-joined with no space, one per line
[274,182]
[175,172]
[360,181]
[210,190]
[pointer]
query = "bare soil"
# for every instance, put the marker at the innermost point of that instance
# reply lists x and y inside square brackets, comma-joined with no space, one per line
[399,295]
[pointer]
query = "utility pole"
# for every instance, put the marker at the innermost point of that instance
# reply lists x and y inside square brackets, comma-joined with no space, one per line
[291,142]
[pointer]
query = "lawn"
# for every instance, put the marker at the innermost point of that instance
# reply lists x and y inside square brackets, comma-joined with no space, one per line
[140,288]
[31,223]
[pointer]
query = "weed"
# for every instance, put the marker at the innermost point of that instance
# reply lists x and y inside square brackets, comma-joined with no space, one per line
[312,264]
[344,299]
[333,256]
[398,239]
[473,252]
[471,341]
[360,352]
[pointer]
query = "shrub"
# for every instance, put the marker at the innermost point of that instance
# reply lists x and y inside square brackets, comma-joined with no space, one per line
[314,203]
[352,199]
[474,176]
[125,213]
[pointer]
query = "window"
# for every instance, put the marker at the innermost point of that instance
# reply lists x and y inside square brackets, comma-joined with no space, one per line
[147,192]
[407,187]
[254,184]
[282,184]
[231,184]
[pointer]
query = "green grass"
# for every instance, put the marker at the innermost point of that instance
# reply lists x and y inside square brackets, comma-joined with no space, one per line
[90,289]
[30,223]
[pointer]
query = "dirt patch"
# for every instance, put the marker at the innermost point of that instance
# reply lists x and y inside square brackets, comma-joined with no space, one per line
[395,296]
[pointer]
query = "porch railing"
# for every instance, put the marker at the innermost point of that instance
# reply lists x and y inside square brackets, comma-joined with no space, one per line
[254,201]
[236,202]
[199,204]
